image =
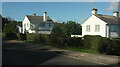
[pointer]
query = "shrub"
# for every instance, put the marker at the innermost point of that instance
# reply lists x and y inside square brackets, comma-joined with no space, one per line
[45,38]
[3,34]
[11,35]
[92,42]
[33,37]
[18,36]
[104,46]
[57,41]
[10,28]
[115,47]
[73,41]
[21,36]
[38,38]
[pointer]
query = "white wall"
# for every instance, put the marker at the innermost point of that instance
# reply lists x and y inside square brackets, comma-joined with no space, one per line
[26,26]
[25,22]
[44,32]
[92,21]
[76,35]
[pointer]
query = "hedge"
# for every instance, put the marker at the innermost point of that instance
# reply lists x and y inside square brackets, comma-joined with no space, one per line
[21,36]
[73,41]
[92,42]
[10,35]
[114,47]
[102,44]
[38,37]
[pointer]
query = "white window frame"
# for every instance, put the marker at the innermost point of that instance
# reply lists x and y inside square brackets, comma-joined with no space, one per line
[87,28]
[97,28]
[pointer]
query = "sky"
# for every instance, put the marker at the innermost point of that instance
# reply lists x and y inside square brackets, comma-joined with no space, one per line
[57,11]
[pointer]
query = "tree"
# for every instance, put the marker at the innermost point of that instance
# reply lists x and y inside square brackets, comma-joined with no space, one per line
[10,28]
[58,29]
[6,20]
[72,27]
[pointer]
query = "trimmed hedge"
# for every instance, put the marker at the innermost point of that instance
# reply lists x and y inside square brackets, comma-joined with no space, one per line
[92,42]
[11,35]
[114,47]
[38,37]
[21,36]
[18,36]
[73,41]
[102,44]
[3,34]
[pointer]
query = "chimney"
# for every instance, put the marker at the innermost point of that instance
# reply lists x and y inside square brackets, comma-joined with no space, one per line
[94,11]
[34,14]
[116,14]
[45,16]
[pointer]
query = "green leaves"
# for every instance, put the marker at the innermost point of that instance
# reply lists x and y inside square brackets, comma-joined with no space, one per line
[72,27]
[10,28]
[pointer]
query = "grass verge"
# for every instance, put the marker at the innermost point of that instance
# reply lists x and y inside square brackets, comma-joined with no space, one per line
[72,48]
[78,49]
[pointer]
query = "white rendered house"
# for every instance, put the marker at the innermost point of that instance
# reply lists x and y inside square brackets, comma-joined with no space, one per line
[37,24]
[103,25]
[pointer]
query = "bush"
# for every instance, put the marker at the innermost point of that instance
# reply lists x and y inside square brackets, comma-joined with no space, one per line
[10,28]
[104,46]
[38,38]
[115,47]
[32,37]
[73,41]
[3,34]
[57,41]
[92,42]
[21,36]
[11,35]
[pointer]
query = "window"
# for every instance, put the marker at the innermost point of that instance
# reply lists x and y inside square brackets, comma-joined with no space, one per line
[88,28]
[27,25]
[97,28]
[49,24]
[42,24]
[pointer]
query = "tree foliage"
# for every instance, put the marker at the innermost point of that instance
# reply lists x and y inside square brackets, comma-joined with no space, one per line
[72,27]
[58,29]
[6,20]
[10,28]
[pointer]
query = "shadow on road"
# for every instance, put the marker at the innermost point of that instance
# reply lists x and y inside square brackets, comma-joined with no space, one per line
[20,56]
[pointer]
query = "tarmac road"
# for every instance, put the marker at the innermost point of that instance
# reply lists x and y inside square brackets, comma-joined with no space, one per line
[19,54]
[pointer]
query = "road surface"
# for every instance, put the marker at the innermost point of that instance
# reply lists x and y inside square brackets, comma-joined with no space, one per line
[20,54]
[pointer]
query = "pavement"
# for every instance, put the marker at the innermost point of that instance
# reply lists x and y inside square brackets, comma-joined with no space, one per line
[91,57]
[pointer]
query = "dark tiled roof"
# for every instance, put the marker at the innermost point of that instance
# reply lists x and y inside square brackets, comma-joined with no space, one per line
[109,19]
[38,19]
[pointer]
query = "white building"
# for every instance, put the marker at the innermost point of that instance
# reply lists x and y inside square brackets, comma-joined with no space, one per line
[19,26]
[37,24]
[103,25]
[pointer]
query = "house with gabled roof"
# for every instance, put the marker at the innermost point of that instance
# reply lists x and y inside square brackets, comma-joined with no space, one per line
[37,24]
[103,25]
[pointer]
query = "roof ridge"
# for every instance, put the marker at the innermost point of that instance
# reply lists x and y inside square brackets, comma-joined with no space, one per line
[106,15]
